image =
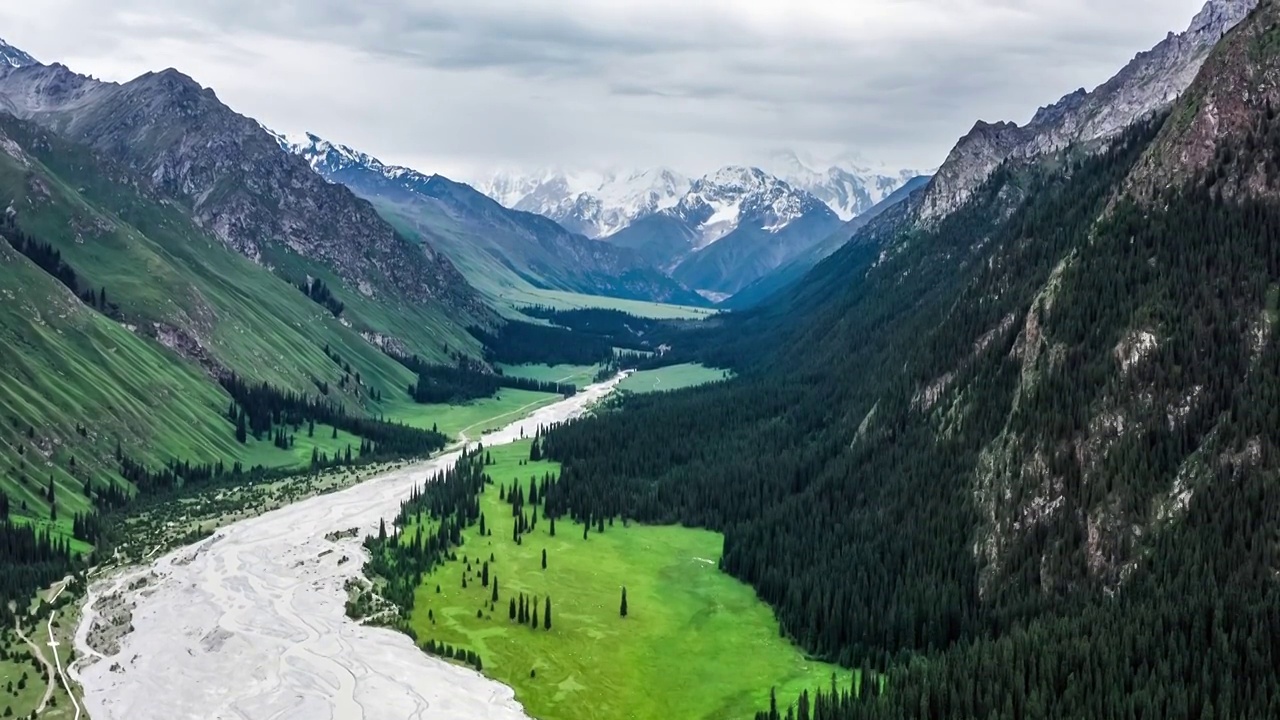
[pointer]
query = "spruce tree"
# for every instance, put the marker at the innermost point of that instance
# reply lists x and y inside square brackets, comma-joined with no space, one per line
[511,612]
[623,609]
[546,615]
[544,558]
[495,588]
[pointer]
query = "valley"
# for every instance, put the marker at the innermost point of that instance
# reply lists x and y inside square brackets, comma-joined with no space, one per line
[288,431]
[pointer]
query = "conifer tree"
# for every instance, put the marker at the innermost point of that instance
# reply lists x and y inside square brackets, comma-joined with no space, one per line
[544,558]
[623,609]
[546,615]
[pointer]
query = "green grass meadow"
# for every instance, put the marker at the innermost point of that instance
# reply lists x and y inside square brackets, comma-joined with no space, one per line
[675,377]
[695,644]
[473,418]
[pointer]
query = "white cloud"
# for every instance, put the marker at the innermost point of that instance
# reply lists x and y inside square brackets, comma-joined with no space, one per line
[455,87]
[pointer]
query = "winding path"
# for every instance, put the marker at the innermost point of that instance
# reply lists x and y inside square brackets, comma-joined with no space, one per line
[249,624]
[48,667]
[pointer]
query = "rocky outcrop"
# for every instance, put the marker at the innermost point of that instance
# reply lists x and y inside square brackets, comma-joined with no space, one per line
[1222,127]
[1150,83]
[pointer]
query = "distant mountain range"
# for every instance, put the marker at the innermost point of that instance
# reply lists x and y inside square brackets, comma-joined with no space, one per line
[716,234]
[495,247]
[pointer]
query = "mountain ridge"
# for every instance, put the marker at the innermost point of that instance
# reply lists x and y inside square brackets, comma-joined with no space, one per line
[461,220]
[1151,82]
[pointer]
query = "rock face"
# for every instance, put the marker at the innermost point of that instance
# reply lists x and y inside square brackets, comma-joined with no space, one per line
[1148,84]
[463,222]
[234,178]
[1232,103]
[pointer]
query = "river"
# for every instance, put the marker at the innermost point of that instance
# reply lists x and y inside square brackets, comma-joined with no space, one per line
[250,624]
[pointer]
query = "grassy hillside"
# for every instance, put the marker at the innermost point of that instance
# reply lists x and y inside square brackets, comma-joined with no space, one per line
[186,308]
[69,368]
[161,268]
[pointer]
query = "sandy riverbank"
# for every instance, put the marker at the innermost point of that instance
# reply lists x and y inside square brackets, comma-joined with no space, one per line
[250,623]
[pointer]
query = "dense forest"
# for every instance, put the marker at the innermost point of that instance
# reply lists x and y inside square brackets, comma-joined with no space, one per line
[853,465]
[469,380]
[518,343]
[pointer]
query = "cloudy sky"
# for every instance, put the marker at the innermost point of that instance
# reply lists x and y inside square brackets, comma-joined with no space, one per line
[462,87]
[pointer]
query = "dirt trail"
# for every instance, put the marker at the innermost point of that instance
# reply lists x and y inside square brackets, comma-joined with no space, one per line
[48,667]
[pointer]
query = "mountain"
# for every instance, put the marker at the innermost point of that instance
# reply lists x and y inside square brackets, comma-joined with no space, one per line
[235,181]
[1148,84]
[793,271]
[850,186]
[1001,461]
[730,228]
[491,244]
[590,204]
[13,57]
[601,204]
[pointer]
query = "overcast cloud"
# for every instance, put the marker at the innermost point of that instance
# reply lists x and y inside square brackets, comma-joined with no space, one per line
[464,87]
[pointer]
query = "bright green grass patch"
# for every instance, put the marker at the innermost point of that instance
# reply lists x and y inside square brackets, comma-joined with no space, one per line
[264,453]
[561,300]
[670,378]
[695,644]
[471,419]
[23,701]
[577,375]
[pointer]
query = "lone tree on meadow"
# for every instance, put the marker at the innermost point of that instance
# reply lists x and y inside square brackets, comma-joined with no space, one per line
[544,558]
[623,609]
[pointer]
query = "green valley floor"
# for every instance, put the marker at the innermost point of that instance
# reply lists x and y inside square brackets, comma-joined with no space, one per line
[695,642]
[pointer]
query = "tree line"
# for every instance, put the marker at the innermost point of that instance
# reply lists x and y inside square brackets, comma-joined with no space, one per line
[468,380]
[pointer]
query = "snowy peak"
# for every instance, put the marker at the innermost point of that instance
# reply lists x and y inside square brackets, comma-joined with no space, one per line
[721,202]
[849,185]
[593,204]
[12,57]
[331,159]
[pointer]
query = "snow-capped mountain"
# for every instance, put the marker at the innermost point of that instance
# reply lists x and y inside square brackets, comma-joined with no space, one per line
[601,204]
[716,205]
[593,204]
[11,56]
[850,185]
[728,229]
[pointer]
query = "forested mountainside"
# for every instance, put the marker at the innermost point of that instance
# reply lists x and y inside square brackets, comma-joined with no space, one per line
[1021,463]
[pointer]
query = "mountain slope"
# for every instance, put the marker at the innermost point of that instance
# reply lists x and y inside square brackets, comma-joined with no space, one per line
[1003,458]
[491,244]
[1150,83]
[852,231]
[235,181]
